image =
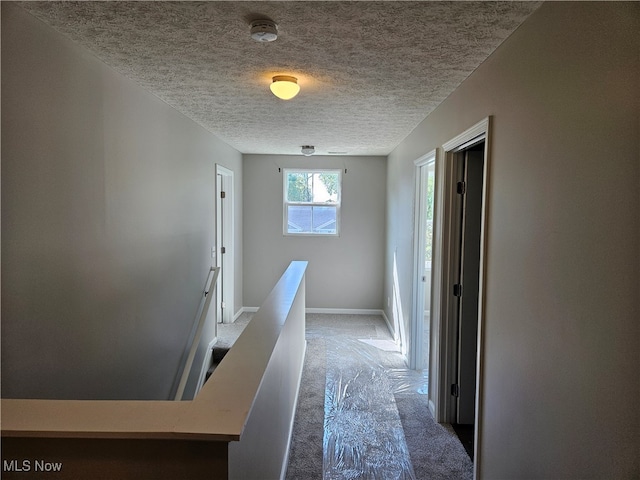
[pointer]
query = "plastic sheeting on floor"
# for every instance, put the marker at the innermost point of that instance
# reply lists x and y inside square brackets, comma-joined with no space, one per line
[363,434]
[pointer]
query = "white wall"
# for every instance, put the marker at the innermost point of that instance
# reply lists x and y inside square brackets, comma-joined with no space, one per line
[345,272]
[107,223]
[561,354]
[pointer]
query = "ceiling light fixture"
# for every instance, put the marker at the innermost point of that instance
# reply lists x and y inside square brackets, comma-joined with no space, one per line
[308,150]
[285,87]
[264,30]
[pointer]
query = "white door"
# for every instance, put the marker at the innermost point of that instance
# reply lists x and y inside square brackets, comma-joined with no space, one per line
[224,245]
[219,246]
[469,169]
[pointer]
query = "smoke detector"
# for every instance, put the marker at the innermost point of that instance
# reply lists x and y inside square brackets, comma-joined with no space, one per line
[264,31]
[308,150]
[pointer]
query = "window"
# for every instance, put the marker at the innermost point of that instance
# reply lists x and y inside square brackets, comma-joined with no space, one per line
[312,202]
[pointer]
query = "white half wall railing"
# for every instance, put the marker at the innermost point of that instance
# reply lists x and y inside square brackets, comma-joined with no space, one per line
[238,426]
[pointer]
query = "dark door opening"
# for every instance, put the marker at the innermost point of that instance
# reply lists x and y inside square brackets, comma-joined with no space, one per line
[469,168]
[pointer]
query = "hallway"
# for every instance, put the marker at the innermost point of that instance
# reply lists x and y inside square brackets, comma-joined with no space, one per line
[361,413]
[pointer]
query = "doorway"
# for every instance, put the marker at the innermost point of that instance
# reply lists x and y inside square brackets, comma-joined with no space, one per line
[457,303]
[465,262]
[223,249]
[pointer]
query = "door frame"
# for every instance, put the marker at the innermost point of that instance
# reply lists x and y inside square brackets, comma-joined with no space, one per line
[442,372]
[226,239]
[417,325]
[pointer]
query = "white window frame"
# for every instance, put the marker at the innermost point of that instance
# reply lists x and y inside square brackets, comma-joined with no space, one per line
[286,204]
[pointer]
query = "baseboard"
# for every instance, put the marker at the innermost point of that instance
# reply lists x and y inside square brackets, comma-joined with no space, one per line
[285,463]
[432,409]
[330,311]
[337,311]
[346,311]
[389,326]
[244,310]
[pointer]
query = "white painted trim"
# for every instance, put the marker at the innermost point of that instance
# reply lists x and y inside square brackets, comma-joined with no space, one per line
[346,311]
[415,350]
[481,300]
[339,311]
[228,277]
[285,463]
[439,249]
[333,311]
[460,142]
[426,158]
[432,408]
[249,310]
[240,311]
[389,327]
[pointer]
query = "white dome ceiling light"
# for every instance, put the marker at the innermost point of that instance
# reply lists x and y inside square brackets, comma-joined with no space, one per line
[264,30]
[284,87]
[308,150]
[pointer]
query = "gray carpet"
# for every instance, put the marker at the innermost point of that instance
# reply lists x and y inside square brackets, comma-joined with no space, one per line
[361,414]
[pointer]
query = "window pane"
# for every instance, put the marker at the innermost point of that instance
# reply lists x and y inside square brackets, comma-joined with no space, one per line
[324,220]
[429,210]
[299,186]
[311,219]
[299,219]
[325,187]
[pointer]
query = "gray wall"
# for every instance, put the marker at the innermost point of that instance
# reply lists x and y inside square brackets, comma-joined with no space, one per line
[107,223]
[561,335]
[344,272]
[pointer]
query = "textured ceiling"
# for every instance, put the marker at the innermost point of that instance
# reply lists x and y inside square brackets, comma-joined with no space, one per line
[369,72]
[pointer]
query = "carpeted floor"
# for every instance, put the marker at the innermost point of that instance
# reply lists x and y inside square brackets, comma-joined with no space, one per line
[361,413]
